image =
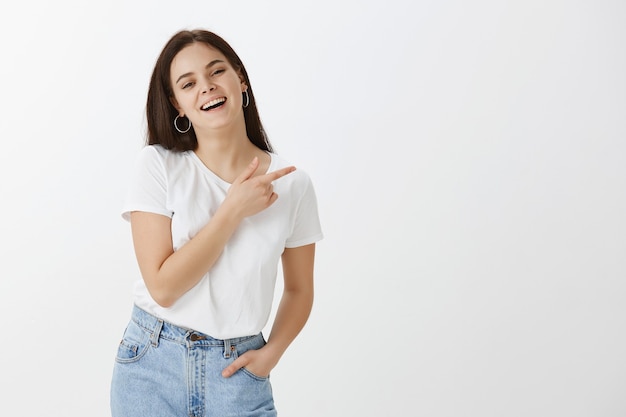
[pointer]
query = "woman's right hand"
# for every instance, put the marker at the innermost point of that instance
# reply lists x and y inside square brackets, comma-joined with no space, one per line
[251,194]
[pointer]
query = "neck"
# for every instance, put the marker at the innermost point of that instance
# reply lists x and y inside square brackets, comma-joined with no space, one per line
[225,135]
[226,152]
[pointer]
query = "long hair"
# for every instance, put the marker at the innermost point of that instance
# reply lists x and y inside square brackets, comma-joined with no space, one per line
[160,113]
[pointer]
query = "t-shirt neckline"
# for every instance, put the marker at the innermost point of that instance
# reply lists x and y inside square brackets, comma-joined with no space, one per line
[216,177]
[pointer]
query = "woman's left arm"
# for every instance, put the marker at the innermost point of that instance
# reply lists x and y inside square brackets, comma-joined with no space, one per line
[293,312]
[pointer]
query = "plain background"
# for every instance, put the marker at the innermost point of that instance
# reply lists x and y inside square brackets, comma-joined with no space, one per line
[470,163]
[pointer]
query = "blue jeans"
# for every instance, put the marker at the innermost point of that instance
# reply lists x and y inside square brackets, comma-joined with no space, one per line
[162,370]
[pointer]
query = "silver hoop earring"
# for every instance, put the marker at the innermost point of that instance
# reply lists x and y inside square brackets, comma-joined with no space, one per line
[178,129]
[247,97]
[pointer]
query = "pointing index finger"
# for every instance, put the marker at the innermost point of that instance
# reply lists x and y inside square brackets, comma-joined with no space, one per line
[274,175]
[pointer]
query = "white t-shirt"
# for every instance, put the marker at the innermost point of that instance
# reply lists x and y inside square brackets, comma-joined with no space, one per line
[234,298]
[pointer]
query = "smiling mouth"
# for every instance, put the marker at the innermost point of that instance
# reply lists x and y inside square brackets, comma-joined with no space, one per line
[213,104]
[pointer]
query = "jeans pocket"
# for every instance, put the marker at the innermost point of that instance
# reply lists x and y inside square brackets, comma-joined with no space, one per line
[254,376]
[255,343]
[134,344]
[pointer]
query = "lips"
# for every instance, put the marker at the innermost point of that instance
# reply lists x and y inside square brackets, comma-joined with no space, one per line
[213,104]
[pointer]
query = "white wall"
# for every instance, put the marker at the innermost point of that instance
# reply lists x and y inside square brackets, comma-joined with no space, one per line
[470,165]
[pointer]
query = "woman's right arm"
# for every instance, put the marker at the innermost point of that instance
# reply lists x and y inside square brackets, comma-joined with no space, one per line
[169,274]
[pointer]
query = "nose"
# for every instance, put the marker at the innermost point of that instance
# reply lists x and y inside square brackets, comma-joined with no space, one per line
[208,86]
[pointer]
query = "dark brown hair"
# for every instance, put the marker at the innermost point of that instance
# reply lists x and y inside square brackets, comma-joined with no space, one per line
[160,112]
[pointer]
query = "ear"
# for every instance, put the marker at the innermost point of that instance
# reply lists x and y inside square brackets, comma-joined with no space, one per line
[175,104]
[244,86]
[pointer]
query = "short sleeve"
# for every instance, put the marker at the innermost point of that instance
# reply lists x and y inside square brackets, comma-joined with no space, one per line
[307,228]
[147,190]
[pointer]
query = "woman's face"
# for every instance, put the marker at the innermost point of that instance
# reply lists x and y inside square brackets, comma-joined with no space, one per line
[207,89]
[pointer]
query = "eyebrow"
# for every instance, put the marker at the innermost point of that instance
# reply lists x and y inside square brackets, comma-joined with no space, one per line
[209,65]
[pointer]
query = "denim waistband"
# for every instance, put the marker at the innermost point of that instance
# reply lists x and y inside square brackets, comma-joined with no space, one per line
[163,329]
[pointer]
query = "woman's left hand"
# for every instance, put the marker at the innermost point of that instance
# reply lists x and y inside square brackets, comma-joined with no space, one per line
[259,362]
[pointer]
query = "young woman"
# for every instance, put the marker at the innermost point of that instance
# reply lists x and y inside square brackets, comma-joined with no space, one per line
[212,210]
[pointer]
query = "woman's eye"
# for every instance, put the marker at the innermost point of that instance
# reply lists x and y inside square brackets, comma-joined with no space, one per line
[187,85]
[219,71]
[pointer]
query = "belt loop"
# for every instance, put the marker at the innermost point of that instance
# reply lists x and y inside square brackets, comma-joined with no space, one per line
[156,333]
[227,348]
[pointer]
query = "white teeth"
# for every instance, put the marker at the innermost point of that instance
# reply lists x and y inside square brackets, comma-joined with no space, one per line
[213,103]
